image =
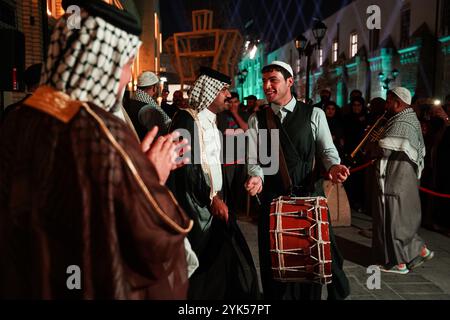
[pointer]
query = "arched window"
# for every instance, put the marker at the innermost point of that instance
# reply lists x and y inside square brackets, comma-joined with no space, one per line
[353,44]
[335,50]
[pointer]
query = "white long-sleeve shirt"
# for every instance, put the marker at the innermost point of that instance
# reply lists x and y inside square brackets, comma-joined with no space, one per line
[325,147]
[211,150]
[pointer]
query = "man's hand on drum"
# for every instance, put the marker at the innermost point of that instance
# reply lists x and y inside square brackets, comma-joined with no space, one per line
[338,173]
[254,185]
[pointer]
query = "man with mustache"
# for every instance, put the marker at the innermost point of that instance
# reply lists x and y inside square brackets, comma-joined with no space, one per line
[226,269]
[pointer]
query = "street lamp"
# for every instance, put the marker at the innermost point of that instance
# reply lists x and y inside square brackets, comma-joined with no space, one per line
[242,76]
[305,48]
[386,80]
[319,31]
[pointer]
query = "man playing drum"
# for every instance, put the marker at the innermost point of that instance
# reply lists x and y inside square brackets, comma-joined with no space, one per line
[304,135]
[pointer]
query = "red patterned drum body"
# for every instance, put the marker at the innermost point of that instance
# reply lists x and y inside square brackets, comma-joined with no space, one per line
[300,240]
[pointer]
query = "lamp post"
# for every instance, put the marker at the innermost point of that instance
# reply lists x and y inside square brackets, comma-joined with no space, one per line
[306,48]
[242,76]
[386,80]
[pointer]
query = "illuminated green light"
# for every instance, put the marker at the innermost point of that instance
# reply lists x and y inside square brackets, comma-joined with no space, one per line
[446,50]
[340,87]
[351,65]
[374,59]
[253,81]
[318,74]
[444,39]
[339,94]
[409,49]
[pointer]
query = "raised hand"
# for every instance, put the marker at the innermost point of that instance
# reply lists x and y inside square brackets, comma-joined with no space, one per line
[163,152]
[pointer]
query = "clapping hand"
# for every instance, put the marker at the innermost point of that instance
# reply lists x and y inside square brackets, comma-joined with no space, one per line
[163,152]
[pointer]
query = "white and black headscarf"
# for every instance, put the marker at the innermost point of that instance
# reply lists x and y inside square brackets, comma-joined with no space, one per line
[403,133]
[143,96]
[207,87]
[87,63]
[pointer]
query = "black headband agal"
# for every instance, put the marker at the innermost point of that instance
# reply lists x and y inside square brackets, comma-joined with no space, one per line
[126,19]
[215,75]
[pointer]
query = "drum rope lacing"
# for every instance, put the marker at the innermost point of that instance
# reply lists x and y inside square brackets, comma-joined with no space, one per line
[315,206]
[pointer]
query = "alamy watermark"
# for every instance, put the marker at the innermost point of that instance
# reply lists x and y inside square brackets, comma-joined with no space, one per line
[374,280]
[73,281]
[252,147]
[374,20]
[74,19]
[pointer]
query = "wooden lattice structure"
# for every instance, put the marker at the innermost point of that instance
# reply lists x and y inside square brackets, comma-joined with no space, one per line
[204,46]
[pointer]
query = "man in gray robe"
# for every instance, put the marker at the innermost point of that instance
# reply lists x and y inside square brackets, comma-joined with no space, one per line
[396,244]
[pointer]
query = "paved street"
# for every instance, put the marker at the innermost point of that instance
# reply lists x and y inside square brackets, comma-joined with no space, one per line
[431,281]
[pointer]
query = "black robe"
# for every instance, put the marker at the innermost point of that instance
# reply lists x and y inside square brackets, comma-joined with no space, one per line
[132,107]
[298,145]
[442,208]
[226,269]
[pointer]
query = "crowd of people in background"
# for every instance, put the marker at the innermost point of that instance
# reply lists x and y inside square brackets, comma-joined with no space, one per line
[348,125]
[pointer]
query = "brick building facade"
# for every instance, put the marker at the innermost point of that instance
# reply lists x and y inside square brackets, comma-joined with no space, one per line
[26,16]
[35,18]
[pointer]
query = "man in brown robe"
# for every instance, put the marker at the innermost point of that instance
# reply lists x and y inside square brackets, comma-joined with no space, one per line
[84,212]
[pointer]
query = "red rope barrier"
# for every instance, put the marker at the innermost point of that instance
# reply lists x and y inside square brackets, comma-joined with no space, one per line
[368,164]
[239,161]
[434,193]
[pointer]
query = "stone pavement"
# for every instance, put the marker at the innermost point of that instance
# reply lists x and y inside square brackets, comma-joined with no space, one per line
[431,281]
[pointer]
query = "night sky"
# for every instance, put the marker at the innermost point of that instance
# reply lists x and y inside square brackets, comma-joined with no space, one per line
[273,21]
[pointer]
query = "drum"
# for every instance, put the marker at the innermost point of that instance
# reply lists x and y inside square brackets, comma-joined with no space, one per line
[300,240]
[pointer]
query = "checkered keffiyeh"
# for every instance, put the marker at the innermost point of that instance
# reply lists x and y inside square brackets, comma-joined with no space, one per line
[204,91]
[87,63]
[406,127]
[144,97]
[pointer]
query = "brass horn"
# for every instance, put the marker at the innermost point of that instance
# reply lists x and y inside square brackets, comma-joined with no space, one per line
[372,135]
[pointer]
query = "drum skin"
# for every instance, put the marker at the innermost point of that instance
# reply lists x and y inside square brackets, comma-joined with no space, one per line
[300,240]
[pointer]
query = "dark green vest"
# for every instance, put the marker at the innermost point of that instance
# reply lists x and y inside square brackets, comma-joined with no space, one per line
[298,145]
